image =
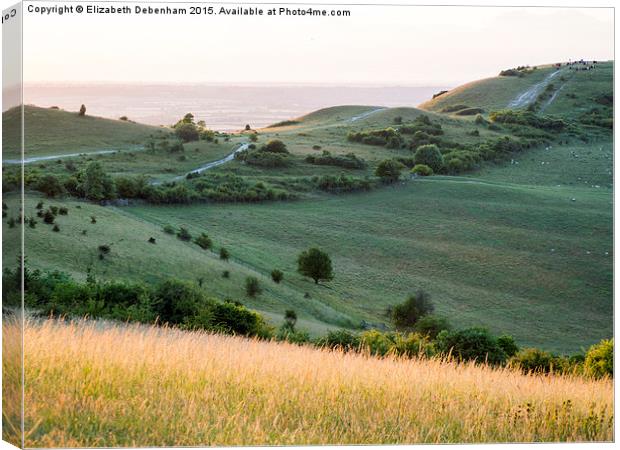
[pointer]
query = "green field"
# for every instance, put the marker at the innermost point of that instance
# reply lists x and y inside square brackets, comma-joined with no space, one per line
[522,246]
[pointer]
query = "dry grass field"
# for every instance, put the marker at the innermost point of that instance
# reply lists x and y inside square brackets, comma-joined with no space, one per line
[91,384]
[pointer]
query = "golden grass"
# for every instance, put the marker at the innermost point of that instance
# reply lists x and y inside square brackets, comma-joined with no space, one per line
[91,384]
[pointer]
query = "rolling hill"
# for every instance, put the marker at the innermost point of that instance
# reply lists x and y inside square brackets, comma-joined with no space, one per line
[55,132]
[507,245]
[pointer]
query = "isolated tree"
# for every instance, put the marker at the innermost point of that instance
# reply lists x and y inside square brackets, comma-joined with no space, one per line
[315,264]
[82,111]
[248,127]
[430,156]
[405,315]
[389,170]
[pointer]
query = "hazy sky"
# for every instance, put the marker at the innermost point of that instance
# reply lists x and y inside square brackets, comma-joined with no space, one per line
[377,45]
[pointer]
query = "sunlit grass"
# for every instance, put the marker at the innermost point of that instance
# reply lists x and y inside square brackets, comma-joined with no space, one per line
[92,384]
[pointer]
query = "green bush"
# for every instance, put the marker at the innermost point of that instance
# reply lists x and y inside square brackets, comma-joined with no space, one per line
[50,186]
[275,146]
[96,184]
[348,161]
[405,315]
[534,360]
[184,234]
[389,170]
[508,344]
[599,361]
[187,132]
[431,325]
[277,275]
[422,170]
[224,254]
[291,335]
[340,339]
[430,156]
[252,287]
[203,241]
[168,229]
[471,344]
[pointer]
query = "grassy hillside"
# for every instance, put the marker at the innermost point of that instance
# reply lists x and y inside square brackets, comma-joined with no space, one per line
[49,132]
[521,244]
[216,390]
[490,93]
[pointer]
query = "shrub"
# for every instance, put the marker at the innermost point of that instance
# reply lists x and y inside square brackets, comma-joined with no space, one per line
[224,255]
[599,361]
[508,344]
[340,339]
[389,170]
[277,275]
[292,336]
[398,120]
[348,161]
[32,223]
[104,248]
[56,227]
[11,222]
[533,360]
[96,183]
[342,183]
[226,274]
[315,264]
[376,342]
[234,318]
[50,186]
[430,156]
[49,216]
[184,234]
[275,146]
[422,170]
[187,132]
[203,241]
[431,325]
[168,229]
[479,120]
[264,159]
[93,219]
[290,318]
[175,301]
[152,240]
[39,206]
[471,344]
[252,287]
[82,111]
[405,315]
[63,211]
[253,137]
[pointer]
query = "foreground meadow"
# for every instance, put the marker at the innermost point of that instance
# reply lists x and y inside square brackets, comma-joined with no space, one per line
[94,384]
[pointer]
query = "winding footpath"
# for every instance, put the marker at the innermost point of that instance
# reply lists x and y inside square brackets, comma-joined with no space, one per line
[529,95]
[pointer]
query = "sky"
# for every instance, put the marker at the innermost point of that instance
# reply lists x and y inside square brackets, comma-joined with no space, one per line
[377,45]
